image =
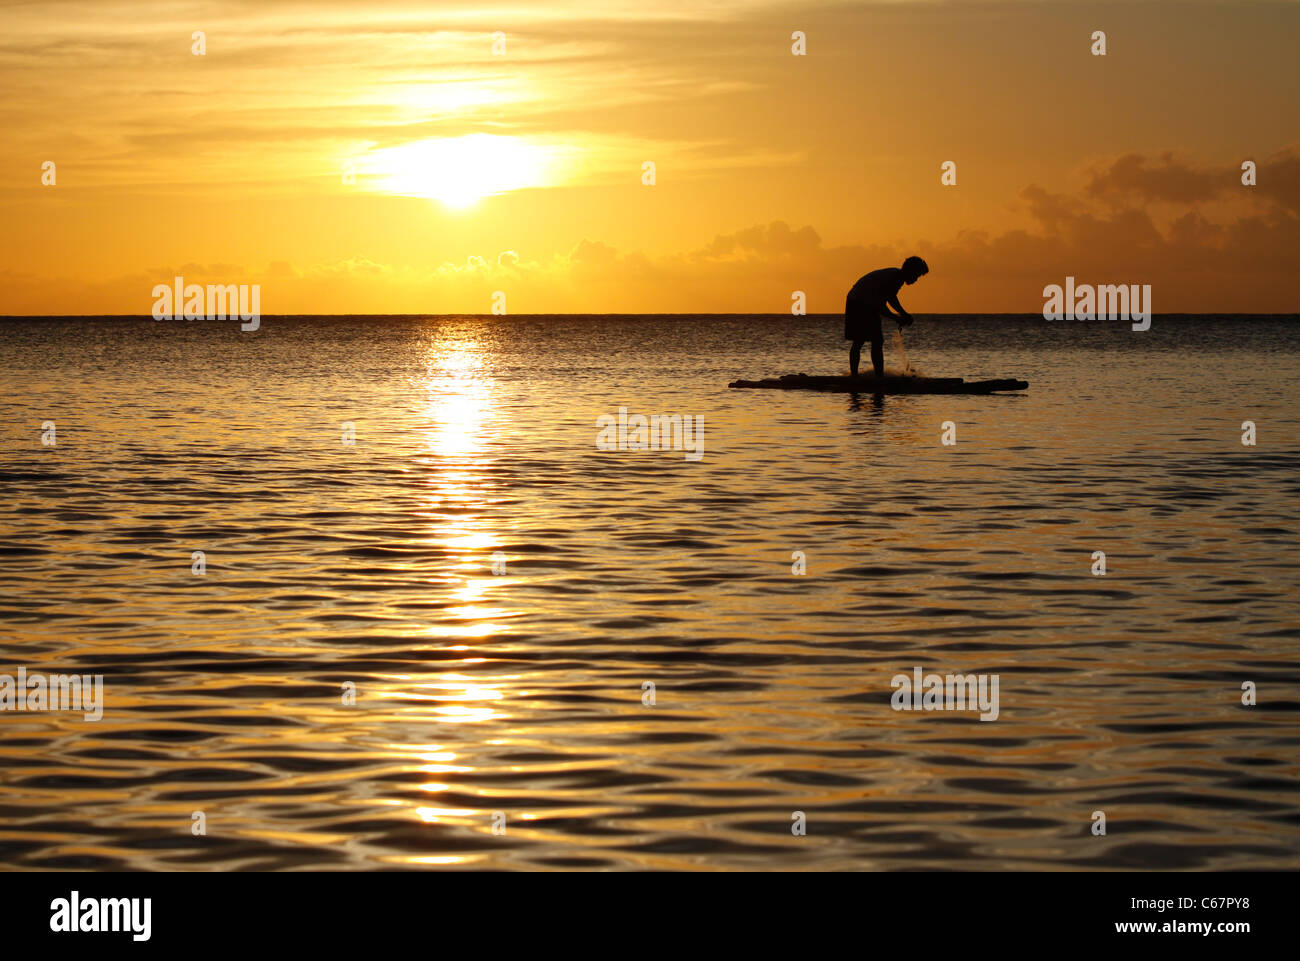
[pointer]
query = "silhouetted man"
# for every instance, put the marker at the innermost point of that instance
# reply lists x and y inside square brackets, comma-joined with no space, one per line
[869,300]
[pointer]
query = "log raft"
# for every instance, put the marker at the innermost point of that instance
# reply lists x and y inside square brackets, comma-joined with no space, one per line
[867,384]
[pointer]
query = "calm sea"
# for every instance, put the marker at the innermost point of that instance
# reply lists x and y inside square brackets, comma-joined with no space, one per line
[568,657]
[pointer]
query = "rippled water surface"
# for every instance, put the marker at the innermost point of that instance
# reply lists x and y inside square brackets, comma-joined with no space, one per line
[519,698]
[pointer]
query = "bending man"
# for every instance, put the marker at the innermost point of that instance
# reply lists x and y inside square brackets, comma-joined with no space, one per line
[872,297]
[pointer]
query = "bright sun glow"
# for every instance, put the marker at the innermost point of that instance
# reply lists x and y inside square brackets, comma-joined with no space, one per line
[461,170]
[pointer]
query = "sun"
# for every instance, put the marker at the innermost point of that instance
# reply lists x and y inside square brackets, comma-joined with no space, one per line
[459,171]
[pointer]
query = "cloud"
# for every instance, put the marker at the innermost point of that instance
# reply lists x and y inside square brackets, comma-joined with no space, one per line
[1242,257]
[775,240]
[1134,176]
[593,252]
[306,83]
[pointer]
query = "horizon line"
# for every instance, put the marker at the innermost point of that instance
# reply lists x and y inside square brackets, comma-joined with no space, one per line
[602,313]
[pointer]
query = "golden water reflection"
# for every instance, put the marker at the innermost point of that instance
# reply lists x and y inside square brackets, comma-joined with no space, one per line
[457,414]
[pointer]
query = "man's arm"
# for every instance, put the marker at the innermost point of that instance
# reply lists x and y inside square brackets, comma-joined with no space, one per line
[904,318]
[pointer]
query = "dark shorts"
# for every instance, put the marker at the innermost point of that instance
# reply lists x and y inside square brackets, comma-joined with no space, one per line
[862,322]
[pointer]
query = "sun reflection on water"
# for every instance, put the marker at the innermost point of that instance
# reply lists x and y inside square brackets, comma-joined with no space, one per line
[454,460]
[459,412]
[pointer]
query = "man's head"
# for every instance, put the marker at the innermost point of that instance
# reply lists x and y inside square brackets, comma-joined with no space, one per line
[914,267]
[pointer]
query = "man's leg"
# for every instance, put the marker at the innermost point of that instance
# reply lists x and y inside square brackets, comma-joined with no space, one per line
[855,355]
[878,356]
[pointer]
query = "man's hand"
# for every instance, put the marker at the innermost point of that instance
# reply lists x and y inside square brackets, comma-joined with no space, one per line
[904,322]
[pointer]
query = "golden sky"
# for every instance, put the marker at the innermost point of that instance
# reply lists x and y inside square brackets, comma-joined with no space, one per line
[522,171]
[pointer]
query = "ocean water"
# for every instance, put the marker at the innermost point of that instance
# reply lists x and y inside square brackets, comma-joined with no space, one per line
[503,719]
